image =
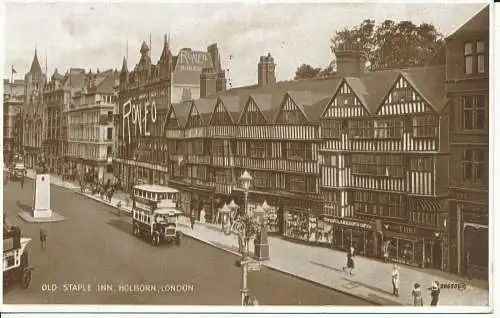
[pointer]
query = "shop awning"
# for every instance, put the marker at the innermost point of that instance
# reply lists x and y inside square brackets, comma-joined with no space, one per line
[428,204]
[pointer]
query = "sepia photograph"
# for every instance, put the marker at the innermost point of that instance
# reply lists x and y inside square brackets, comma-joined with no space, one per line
[330,155]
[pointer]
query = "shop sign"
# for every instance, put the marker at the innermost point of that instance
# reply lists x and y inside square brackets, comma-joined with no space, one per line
[344,222]
[406,229]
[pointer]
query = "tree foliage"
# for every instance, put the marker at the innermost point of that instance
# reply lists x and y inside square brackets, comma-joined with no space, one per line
[306,71]
[391,45]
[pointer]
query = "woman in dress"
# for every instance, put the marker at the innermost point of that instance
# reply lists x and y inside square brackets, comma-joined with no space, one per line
[417,295]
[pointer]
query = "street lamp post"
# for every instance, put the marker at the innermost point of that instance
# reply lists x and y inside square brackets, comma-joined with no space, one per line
[261,242]
[246,179]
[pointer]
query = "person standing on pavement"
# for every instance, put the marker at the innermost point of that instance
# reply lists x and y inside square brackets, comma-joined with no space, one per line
[417,295]
[395,281]
[435,291]
[43,237]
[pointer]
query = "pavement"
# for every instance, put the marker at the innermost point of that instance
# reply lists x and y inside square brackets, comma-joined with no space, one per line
[92,258]
[371,280]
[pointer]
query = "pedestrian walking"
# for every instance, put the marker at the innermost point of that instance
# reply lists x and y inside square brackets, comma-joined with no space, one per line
[467,266]
[43,237]
[435,291]
[351,250]
[386,251]
[22,181]
[395,281]
[417,295]
[350,264]
[193,221]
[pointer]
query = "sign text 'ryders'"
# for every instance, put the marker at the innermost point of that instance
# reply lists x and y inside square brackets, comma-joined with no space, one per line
[137,114]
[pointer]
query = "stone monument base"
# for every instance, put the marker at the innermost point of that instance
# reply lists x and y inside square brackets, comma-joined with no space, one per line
[41,204]
[42,213]
[28,217]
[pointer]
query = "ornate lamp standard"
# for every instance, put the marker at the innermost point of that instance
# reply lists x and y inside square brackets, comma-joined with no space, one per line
[244,238]
[261,252]
[226,212]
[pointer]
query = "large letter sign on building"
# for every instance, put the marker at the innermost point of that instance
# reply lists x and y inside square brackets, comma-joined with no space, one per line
[138,114]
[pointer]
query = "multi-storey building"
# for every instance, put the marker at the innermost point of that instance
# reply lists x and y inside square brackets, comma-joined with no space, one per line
[34,81]
[53,102]
[90,125]
[145,96]
[359,158]
[13,98]
[467,80]
[384,162]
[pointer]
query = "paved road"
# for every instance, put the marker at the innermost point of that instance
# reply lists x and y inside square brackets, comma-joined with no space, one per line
[93,247]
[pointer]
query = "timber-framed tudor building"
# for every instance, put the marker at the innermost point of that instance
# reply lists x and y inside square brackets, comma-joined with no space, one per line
[373,159]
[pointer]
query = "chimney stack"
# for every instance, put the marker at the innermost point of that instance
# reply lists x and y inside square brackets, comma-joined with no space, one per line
[266,69]
[208,82]
[350,61]
[221,81]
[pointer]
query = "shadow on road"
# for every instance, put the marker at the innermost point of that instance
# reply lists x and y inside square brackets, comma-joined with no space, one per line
[24,207]
[121,224]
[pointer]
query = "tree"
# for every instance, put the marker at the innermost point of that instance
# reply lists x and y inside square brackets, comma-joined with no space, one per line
[306,71]
[393,45]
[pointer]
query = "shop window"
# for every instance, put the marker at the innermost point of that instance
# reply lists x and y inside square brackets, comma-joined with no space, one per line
[474,112]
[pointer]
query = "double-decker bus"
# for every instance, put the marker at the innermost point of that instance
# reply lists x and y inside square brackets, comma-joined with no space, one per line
[155,214]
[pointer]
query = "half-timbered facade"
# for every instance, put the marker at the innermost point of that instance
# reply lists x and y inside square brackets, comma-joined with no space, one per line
[384,140]
[277,144]
[192,175]
[467,80]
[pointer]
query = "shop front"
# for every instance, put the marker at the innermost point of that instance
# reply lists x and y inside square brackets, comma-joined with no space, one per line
[475,243]
[342,233]
[414,246]
[271,216]
[300,220]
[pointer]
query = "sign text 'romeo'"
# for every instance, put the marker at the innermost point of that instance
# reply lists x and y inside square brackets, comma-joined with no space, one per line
[137,114]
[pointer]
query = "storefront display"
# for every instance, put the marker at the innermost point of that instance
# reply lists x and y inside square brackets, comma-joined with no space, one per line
[345,233]
[413,246]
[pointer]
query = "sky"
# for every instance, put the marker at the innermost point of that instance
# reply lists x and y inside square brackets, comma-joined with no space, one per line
[95,35]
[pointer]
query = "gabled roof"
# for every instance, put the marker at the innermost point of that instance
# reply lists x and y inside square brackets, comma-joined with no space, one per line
[303,99]
[315,110]
[429,82]
[479,23]
[233,105]
[205,107]
[181,112]
[372,87]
